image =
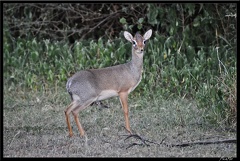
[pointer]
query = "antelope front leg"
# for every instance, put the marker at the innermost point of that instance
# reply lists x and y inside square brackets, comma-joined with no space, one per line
[124,102]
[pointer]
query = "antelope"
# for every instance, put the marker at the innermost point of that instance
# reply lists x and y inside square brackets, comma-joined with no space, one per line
[91,85]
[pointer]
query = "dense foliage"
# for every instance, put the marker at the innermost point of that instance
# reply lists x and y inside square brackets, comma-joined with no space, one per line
[192,53]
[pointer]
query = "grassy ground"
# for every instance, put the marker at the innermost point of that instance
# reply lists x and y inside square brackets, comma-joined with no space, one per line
[34,126]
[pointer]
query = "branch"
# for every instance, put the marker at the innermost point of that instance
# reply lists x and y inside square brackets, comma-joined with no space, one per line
[204,142]
[143,142]
[93,28]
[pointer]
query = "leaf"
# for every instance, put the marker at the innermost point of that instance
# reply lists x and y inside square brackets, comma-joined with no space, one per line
[140,20]
[139,26]
[165,56]
[30,15]
[171,31]
[35,56]
[123,21]
[196,22]
[152,14]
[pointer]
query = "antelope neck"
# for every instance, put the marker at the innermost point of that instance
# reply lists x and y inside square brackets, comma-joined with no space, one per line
[136,64]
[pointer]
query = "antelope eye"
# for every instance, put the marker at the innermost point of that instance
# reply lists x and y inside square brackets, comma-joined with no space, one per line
[134,42]
[144,42]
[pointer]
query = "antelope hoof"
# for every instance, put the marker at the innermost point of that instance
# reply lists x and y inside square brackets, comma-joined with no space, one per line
[70,134]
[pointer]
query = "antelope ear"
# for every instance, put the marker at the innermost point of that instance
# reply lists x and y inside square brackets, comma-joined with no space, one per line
[147,35]
[128,36]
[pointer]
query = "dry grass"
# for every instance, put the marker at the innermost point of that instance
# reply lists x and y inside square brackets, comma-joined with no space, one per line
[34,126]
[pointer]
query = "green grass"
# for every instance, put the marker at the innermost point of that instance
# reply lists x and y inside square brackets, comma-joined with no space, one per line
[35,126]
